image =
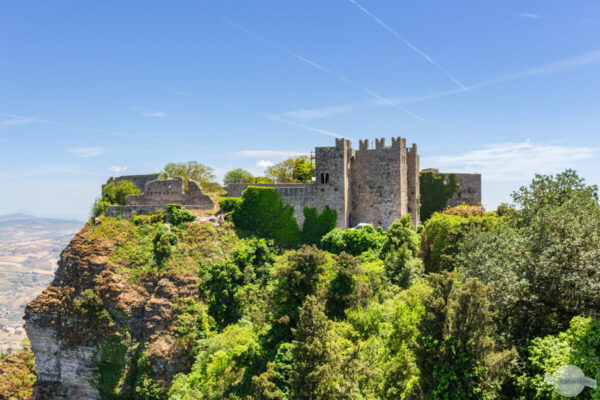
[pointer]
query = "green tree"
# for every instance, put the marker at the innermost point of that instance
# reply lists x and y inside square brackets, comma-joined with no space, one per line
[579,345]
[317,225]
[346,290]
[435,191]
[115,193]
[399,253]
[315,367]
[543,260]
[238,176]
[293,170]
[263,213]
[296,279]
[456,351]
[192,170]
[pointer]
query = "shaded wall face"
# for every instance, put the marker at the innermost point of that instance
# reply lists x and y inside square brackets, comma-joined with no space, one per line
[332,185]
[378,186]
[164,192]
[469,190]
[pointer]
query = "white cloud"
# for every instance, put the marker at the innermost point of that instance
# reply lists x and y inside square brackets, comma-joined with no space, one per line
[86,152]
[529,15]
[118,168]
[264,163]
[10,120]
[506,162]
[268,153]
[149,113]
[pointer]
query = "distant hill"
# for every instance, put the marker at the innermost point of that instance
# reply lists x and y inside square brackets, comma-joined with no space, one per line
[29,249]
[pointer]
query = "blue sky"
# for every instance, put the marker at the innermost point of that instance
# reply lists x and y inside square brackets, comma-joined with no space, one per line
[94,89]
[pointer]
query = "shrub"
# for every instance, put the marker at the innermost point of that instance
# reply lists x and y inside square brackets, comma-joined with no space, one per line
[317,225]
[230,204]
[177,215]
[263,213]
[115,193]
[162,245]
[399,253]
[465,210]
[353,241]
[99,208]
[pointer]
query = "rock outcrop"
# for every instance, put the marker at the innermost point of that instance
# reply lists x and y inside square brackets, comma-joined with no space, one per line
[113,306]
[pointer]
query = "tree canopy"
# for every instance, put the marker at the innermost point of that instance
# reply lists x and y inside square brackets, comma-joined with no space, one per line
[192,170]
[238,175]
[293,170]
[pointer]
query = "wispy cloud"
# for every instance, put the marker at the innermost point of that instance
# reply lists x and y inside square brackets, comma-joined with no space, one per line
[118,168]
[149,113]
[86,152]
[320,67]
[304,126]
[264,163]
[514,161]
[11,120]
[272,154]
[529,15]
[563,65]
[103,131]
[410,45]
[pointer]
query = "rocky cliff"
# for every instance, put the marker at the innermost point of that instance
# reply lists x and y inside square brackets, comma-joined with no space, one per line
[115,321]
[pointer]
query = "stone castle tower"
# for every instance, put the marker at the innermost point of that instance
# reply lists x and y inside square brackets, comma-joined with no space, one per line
[373,185]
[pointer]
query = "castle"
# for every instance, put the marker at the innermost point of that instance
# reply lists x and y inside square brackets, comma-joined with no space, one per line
[376,185]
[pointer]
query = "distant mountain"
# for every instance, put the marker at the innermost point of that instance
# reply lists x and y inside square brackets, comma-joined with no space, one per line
[29,249]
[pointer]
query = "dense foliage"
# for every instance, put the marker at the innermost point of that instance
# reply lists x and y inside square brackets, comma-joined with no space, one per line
[475,306]
[17,374]
[262,212]
[115,193]
[317,225]
[436,189]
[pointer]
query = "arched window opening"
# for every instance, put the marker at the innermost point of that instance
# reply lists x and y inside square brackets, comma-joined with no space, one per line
[327,177]
[322,178]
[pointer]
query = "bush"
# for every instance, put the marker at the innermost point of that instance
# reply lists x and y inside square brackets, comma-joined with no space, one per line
[435,192]
[263,213]
[353,241]
[465,210]
[230,204]
[317,225]
[162,245]
[399,253]
[99,208]
[177,215]
[115,193]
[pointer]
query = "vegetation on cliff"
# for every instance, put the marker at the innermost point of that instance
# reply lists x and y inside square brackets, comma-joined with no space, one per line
[17,374]
[475,306]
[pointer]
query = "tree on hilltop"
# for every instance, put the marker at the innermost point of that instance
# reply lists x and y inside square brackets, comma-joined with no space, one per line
[192,170]
[238,176]
[293,170]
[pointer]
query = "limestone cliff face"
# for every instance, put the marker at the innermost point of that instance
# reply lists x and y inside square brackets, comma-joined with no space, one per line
[110,303]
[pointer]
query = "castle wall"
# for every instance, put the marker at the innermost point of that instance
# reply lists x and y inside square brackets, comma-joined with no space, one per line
[469,190]
[414,185]
[138,180]
[298,195]
[379,183]
[170,191]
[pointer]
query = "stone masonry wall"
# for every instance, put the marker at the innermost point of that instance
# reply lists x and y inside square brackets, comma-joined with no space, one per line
[332,167]
[379,183]
[469,190]
[298,195]
[138,180]
[170,191]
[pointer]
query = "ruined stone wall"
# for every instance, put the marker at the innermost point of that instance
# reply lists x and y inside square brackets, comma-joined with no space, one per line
[138,180]
[170,191]
[469,190]
[298,195]
[332,168]
[379,183]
